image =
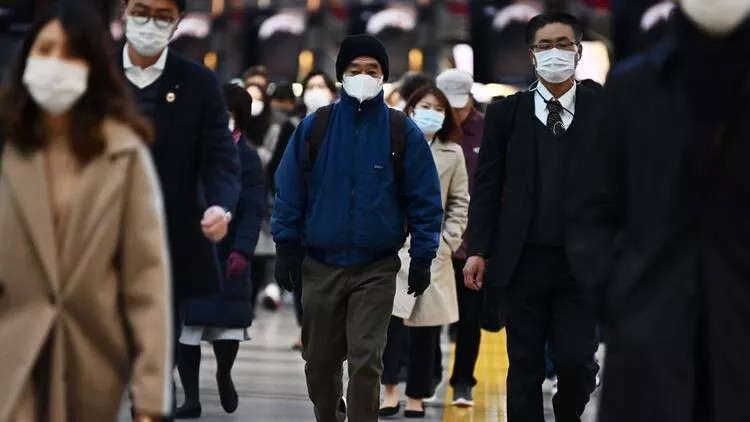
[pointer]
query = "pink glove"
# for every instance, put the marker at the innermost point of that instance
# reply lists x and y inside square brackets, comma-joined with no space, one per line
[236,264]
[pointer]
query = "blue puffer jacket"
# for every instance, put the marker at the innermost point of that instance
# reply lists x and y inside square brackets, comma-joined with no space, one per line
[354,214]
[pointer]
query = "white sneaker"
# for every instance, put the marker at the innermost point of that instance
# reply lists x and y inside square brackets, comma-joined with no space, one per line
[272,297]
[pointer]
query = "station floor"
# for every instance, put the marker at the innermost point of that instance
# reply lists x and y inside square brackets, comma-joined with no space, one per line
[269,377]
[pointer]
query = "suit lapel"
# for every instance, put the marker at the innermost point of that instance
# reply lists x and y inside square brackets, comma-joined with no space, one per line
[26,175]
[524,137]
[170,96]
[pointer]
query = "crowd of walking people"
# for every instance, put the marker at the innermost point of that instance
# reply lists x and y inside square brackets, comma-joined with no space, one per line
[144,208]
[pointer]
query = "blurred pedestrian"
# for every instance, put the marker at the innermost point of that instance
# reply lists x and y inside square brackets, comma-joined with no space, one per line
[380,159]
[85,297]
[195,156]
[223,319]
[263,136]
[424,316]
[256,75]
[283,102]
[663,235]
[457,85]
[529,167]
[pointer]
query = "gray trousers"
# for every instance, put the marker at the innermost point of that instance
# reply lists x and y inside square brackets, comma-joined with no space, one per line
[345,317]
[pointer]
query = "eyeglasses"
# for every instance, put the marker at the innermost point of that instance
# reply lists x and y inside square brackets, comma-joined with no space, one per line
[142,18]
[562,45]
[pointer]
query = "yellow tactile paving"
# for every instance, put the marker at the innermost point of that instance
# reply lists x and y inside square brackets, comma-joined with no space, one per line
[489,394]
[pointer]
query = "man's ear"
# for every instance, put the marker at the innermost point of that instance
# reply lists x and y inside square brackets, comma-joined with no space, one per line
[532,57]
[580,51]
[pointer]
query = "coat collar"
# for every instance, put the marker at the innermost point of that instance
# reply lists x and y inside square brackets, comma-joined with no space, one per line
[99,182]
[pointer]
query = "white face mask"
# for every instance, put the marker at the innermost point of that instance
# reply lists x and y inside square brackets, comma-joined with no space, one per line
[428,120]
[55,84]
[556,65]
[257,108]
[363,87]
[718,17]
[231,125]
[315,99]
[148,39]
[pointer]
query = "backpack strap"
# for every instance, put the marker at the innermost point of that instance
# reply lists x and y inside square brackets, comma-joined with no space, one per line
[398,143]
[315,140]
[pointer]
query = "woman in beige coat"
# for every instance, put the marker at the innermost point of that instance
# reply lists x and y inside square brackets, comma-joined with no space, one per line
[84,284]
[422,317]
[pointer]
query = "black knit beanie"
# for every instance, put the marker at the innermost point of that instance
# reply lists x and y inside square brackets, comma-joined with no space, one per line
[360,45]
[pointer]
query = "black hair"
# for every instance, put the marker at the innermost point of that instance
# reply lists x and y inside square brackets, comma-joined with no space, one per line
[181,4]
[257,126]
[412,82]
[540,21]
[239,103]
[283,92]
[328,80]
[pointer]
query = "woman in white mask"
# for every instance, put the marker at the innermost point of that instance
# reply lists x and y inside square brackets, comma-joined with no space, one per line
[85,291]
[421,318]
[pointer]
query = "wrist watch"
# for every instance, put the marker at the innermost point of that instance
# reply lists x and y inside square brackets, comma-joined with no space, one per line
[227,215]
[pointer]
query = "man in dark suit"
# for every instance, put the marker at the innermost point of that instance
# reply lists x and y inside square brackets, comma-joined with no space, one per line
[529,166]
[662,235]
[194,153]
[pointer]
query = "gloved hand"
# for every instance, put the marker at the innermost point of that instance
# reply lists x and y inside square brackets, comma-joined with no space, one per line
[236,264]
[419,277]
[288,269]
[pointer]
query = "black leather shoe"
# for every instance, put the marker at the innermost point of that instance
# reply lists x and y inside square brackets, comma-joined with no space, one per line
[389,412]
[184,412]
[414,414]
[227,393]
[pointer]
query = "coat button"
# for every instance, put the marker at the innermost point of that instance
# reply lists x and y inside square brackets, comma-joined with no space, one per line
[2,289]
[52,299]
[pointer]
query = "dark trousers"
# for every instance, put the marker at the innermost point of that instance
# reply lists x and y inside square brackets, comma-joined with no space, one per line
[468,334]
[345,317]
[422,340]
[544,304]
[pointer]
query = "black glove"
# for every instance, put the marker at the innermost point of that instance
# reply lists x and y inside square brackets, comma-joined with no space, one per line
[419,277]
[288,268]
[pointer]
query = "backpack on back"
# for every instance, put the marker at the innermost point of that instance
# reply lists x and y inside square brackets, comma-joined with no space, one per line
[397,137]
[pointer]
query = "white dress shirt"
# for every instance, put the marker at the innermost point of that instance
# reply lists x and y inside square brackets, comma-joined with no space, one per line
[143,77]
[568,101]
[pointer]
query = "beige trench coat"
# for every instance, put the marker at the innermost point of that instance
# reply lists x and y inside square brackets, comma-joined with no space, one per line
[85,320]
[439,303]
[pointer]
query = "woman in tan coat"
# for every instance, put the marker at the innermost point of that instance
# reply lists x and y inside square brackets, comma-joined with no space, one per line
[84,284]
[421,318]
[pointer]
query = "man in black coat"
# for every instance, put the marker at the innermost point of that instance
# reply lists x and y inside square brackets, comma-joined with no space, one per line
[194,154]
[663,235]
[529,165]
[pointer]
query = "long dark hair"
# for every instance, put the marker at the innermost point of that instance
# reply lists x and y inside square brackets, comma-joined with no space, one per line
[257,126]
[451,131]
[106,96]
[239,103]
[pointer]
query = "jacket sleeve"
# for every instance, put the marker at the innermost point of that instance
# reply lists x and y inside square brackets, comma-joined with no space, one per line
[595,210]
[290,203]
[421,190]
[250,208]
[146,289]
[457,204]
[219,162]
[489,183]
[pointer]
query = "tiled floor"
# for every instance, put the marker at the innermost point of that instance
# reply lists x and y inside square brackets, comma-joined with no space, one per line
[270,380]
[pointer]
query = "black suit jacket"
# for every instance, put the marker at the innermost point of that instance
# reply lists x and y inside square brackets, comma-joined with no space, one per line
[198,166]
[502,204]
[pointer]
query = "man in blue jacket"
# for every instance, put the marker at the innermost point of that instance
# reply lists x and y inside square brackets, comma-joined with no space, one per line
[349,216]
